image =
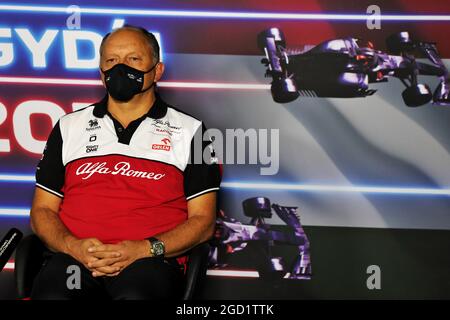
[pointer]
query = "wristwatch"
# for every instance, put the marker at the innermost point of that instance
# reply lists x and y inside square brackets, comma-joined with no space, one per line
[157,248]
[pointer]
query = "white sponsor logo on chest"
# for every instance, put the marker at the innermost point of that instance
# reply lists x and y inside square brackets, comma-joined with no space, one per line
[121,168]
[164,127]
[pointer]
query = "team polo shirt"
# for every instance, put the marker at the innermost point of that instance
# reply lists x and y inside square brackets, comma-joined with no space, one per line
[129,183]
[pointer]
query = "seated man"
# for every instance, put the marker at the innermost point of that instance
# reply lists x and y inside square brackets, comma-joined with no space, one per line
[118,193]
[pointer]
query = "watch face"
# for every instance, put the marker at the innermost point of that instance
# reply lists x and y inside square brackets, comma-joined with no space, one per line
[158,248]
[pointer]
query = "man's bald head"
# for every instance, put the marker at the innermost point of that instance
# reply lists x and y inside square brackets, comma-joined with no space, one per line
[147,36]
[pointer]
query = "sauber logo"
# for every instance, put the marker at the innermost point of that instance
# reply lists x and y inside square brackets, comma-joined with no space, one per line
[93,125]
[121,168]
[165,146]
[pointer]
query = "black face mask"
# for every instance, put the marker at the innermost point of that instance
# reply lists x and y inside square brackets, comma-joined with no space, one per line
[124,82]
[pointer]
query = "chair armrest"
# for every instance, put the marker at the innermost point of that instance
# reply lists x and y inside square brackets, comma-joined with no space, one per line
[28,262]
[196,269]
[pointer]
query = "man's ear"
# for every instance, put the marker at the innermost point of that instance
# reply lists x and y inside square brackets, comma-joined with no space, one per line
[159,71]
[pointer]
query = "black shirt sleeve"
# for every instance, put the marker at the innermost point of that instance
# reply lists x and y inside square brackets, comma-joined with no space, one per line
[203,172]
[50,170]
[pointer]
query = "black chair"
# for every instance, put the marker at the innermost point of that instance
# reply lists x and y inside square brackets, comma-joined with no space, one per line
[30,255]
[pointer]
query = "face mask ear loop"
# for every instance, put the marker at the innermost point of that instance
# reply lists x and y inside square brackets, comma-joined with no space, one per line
[151,68]
[150,86]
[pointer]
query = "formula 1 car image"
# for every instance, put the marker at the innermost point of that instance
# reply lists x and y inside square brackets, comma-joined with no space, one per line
[257,242]
[343,68]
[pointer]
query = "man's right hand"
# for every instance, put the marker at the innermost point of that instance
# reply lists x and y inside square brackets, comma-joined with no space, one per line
[79,250]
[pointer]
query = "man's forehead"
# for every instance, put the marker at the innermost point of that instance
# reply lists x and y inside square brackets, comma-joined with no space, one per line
[126,38]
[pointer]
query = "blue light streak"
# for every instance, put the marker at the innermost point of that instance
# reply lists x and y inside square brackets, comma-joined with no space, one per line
[221,14]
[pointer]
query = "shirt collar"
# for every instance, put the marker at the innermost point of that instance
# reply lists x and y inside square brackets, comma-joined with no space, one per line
[157,111]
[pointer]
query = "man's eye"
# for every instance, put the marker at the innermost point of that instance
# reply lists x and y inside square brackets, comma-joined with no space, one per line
[135,58]
[109,60]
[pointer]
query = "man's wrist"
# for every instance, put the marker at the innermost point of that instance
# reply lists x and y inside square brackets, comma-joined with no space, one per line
[157,247]
[146,249]
[69,241]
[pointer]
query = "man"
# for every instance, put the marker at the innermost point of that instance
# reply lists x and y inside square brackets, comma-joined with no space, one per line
[116,193]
